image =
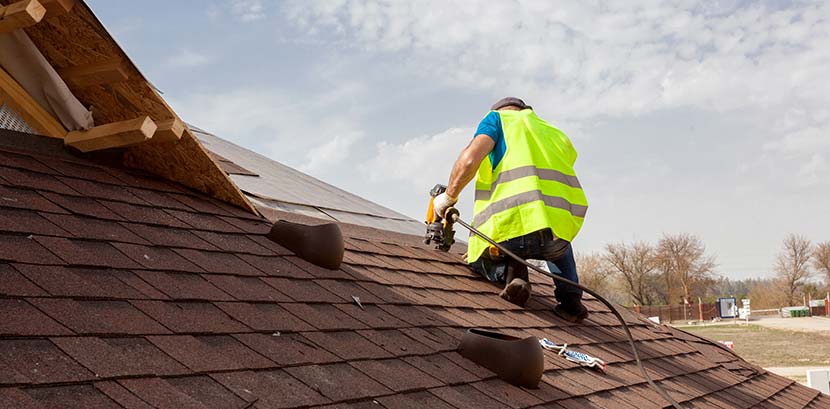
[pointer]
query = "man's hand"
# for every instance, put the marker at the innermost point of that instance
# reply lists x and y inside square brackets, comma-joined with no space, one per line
[443,202]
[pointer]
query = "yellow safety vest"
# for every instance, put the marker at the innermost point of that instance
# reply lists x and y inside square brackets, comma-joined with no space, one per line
[534,186]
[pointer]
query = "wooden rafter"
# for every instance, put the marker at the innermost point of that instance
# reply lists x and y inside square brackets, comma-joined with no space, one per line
[170,130]
[57,7]
[21,102]
[20,14]
[114,135]
[107,72]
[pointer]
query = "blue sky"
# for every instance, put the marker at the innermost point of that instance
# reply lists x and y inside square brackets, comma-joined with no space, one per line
[710,118]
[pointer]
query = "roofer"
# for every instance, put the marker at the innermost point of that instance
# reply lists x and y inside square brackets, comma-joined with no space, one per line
[527,198]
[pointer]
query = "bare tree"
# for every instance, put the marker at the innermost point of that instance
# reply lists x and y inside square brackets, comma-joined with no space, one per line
[636,265]
[821,262]
[792,266]
[682,261]
[594,272]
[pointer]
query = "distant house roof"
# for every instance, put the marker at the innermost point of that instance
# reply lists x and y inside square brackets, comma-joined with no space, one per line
[272,185]
[122,290]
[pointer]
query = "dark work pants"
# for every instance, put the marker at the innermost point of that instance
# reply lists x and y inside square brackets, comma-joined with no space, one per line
[540,245]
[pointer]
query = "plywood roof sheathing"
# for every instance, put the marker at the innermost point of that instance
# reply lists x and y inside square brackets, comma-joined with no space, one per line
[28,109]
[107,72]
[21,14]
[114,135]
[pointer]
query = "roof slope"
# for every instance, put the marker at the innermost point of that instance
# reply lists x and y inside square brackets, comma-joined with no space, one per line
[270,184]
[121,290]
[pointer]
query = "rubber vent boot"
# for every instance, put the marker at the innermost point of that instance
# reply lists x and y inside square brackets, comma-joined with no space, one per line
[518,361]
[320,245]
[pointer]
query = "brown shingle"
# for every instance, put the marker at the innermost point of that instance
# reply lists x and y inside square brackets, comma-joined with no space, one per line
[264,317]
[396,374]
[275,266]
[22,319]
[183,286]
[111,357]
[287,349]
[209,353]
[121,395]
[62,281]
[40,361]
[159,393]
[86,228]
[99,190]
[190,317]
[348,345]
[466,397]
[83,206]
[440,367]
[246,288]
[168,237]
[25,249]
[156,258]
[99,317]
[324,316]
[302,290]
[271,389]
[145,214]
[214,262]
[15,284]
[207,391]
[338,381]
[28,222]
[396,342]
[204,221]
[86,252]
[233,243]
[72,396]
[38,181]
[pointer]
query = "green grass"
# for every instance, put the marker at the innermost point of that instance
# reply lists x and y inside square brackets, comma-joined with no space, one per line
[771,347]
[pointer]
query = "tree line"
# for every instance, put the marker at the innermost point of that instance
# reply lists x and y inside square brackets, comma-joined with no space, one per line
[677,269]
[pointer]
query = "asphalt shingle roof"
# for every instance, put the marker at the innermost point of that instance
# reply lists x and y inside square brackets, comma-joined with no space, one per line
[120,290]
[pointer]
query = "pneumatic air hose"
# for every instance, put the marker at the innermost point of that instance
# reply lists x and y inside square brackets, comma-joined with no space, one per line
[453,215]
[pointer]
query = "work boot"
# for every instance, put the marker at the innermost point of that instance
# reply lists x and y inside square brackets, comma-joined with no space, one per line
[517,291]
[518,288]
[571,309]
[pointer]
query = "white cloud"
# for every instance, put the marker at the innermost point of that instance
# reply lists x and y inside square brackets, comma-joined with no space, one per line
[412,167]
[312,135]
[248,10]
[187,58]
[330,155]
[583,60]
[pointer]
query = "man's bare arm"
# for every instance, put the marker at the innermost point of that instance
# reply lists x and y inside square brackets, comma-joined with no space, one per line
[467,164]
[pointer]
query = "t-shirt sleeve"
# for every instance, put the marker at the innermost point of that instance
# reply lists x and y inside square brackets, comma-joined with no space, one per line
[490,126]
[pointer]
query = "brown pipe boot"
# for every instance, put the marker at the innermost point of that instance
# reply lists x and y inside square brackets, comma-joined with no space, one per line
[518,288]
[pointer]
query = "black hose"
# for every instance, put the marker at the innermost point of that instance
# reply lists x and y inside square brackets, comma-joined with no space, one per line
[657,388]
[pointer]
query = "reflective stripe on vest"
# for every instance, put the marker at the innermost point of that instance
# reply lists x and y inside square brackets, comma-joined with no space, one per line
[534,187]
[525,171]
[527,197]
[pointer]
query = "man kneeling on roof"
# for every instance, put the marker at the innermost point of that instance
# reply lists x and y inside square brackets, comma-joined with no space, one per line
[527,198]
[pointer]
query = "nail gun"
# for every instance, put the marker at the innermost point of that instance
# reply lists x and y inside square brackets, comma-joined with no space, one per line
[439,230]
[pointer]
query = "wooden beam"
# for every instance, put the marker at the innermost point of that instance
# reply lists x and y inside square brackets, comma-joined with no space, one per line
[57,7]
[114,135]
[21,102]
[21,14]
[107,72]
[169,130]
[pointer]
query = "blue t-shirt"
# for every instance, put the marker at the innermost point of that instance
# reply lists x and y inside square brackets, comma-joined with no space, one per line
[491,126]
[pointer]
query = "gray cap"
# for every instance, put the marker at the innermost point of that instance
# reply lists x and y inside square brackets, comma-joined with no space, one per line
[507,101]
